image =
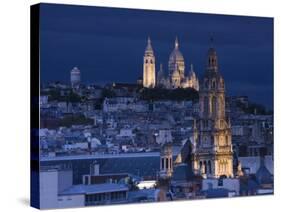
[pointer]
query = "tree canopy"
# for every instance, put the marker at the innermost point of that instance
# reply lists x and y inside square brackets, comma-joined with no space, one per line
[178,94]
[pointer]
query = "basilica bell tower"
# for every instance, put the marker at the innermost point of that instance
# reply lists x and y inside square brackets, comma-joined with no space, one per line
[212,145]
[149,78]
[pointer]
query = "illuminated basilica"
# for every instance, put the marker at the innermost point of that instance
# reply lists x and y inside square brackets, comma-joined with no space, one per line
[176,67]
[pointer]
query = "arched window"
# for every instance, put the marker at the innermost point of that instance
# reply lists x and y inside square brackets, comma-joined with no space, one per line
[205,141]
[146,61]
[226,140]
[151,61]
[220,107]
[213,84]
[205,166]
[213,61]
[222,141]
[214,105]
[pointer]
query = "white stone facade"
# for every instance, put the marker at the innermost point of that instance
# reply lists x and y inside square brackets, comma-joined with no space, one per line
[149,78]
[176,66]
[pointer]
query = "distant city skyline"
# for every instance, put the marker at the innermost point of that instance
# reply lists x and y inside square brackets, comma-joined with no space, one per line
[108,44]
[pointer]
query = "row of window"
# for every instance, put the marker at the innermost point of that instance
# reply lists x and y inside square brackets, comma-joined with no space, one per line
[223,140]
[166,164]
[206,166]
[213,84]
[105,197]
[214,107]
[223,167]
[212,61]
[151,61]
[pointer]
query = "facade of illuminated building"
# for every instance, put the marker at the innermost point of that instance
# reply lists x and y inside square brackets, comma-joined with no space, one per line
[149,78]
[176,67]
[212,145]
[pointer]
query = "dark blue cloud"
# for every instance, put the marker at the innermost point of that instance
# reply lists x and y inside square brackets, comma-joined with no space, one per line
[108,44]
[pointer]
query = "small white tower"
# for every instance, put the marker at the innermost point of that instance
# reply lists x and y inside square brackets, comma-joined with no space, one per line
[75,77]
[149,79]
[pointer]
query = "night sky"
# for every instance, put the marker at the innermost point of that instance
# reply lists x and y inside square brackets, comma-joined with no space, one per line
[108,44]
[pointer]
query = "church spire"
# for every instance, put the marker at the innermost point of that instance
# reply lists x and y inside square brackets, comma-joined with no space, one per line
[213,153]
[148,41]
[149,78]
[176,43]
[148,49]
[212,61]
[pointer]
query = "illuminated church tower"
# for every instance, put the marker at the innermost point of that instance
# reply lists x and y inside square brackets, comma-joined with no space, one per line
[212,147]
[166,160]
[149,66]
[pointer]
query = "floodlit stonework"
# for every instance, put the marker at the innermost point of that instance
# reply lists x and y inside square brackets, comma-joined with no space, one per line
[149,80]
[212,152]
[176,67]
[166,160]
